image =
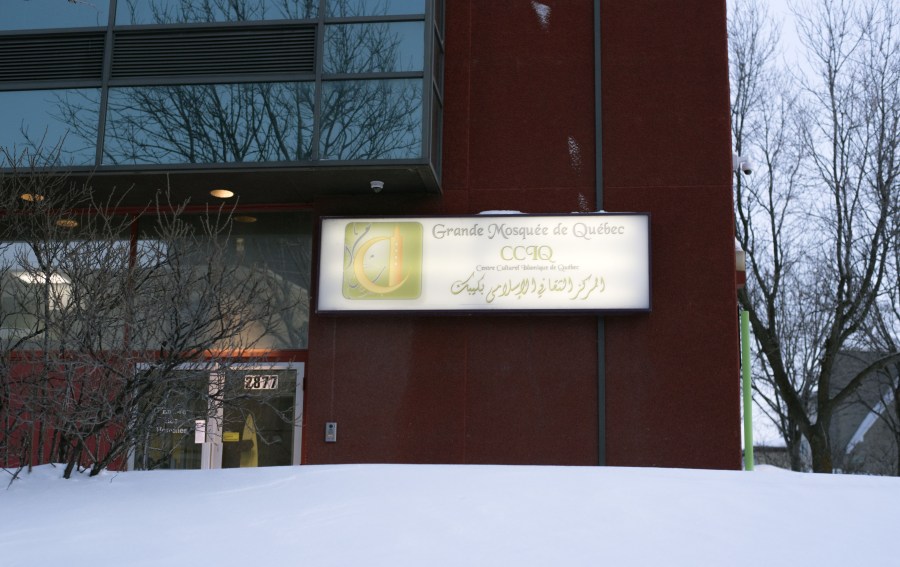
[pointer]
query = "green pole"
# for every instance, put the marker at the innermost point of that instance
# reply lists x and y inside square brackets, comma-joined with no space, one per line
[748,407]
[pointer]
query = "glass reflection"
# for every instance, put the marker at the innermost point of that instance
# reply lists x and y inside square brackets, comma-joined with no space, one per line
[168,442]
[437,63]
[349,8]
[59,125]
[439,15]
[278,249]
[133,12]
[46,14]
[380,119]
[253,122]
[68,285]
[374,48]
[53,277]
[271,251]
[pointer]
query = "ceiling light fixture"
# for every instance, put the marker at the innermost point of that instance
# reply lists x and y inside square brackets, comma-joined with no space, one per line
[66,223]
[245,219]
[31,197]
[222,193]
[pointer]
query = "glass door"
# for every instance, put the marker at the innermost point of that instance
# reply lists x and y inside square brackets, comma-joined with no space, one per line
[168,434]
[248,416]
[258,430]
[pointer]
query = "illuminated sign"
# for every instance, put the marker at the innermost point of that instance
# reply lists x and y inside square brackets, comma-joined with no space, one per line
[594,262]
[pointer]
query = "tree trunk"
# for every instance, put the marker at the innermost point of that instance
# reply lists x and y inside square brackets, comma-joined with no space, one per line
[796,460]
[74,458]
[821,453]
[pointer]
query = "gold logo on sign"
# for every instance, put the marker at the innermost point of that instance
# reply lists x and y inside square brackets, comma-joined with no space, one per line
[383,260]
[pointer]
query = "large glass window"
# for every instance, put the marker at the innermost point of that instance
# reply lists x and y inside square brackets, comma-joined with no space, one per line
[271,252]
[278,248]
[374,48]
[195,11]
[373,119]
[67,275]
[60,125]
[350,8]
[58,273]
[350,84]
[44,14]
[251,122]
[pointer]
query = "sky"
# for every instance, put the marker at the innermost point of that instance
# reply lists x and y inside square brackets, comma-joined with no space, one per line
[442,515]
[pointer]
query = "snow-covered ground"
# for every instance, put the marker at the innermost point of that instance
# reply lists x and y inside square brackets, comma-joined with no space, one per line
[390,515]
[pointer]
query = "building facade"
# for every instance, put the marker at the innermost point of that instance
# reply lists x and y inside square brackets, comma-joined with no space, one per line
[455,107]
[864,429]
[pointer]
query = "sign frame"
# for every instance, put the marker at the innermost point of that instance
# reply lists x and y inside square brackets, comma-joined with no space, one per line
[326,275]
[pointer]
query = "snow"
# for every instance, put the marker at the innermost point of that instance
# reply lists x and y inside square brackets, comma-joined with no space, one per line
[574,154]
[543,13]
[436,515]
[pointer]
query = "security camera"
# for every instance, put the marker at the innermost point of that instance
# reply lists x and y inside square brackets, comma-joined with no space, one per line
[741,164]
[376,186]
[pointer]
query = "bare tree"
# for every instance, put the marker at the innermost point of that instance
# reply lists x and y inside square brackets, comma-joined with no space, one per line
[816,224]
[103,333]
[766,208]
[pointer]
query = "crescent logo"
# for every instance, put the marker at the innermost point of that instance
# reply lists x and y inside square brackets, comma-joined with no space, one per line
[382,260]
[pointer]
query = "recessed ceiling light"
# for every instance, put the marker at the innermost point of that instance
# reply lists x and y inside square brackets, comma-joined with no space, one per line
[31,197]
[245,218]
[222,193]
[66,223]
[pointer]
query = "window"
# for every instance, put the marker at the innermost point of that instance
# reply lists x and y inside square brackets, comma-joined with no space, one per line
[272,251]
[374,48]
[348,8]
[60,123]
[194,83]
[45,14]
[245,122]
[371,120]
[137,12]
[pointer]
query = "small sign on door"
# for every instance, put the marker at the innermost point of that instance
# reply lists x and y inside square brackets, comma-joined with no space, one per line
[199,431]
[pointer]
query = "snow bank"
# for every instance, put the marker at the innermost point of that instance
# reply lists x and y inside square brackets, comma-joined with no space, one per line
[388,515]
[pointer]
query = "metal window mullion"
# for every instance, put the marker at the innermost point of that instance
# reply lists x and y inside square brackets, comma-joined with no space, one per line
[49,85]
[317,93]
[224,79]
[439,28]
[427,79]
[373,76]
[378,19]
[437,92]
[108,45]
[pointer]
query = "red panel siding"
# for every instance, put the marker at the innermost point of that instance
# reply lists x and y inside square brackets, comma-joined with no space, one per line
[672,376]
[519,134]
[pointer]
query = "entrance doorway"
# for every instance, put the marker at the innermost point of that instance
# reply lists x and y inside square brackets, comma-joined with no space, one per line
[257,424]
